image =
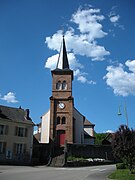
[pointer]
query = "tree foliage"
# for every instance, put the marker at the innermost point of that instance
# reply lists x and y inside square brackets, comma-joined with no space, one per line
[99,137]
[123,145]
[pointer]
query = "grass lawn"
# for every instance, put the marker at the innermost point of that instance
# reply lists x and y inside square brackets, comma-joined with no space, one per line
[122,174]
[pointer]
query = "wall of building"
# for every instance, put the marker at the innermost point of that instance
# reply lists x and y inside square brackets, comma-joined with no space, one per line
[10,138]
[89,141]
[45,128]
[62,77]
[79,131]
[41,153]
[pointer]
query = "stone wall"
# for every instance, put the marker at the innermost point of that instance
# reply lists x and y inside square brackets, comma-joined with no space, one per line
[90,151]
[41,154]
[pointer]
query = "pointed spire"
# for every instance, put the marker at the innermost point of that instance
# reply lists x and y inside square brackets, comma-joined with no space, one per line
[63,59]
[65,64]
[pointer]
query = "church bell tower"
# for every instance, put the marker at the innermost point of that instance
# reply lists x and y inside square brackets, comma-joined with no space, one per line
[61,101]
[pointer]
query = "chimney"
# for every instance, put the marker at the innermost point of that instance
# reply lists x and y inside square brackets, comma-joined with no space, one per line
[27,112]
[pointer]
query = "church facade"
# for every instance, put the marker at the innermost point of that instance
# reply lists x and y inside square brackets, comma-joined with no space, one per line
[63,122]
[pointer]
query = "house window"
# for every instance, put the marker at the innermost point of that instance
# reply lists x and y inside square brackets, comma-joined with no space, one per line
[3,129]
[19,148]
[64,85]
[20,131]
[2,147]
[58,85]
[63,120]
[58,120]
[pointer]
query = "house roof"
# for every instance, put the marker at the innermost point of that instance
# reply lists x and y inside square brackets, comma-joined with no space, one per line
[108,138]
[39,124]
[88,123]
[37,136]
[79,112]
[14,114]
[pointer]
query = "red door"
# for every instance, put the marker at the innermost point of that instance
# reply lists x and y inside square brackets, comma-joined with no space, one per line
[61,137]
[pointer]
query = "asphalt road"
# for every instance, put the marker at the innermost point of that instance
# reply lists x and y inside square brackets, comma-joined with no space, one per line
[49,173]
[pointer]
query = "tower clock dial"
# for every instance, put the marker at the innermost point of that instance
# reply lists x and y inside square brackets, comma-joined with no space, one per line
[61,105]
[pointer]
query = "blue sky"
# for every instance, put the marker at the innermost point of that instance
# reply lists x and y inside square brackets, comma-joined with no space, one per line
[100,41]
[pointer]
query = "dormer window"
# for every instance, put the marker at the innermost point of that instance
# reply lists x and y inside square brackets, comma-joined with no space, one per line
[64,85]
[58,85]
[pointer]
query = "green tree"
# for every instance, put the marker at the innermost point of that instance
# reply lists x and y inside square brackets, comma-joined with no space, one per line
[123,145]
[99,137]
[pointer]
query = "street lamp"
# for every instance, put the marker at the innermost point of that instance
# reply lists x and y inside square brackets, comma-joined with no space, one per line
[125,112]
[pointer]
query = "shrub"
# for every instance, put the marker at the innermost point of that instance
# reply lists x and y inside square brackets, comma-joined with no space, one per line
[123,145]
[72,158]
[121,166]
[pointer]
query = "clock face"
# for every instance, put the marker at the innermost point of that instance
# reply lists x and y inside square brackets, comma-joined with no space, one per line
[61,105]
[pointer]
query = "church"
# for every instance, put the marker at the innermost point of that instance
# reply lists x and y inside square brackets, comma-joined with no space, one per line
[63,123]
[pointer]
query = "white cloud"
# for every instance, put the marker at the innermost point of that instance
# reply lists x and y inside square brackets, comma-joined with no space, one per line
[114,19]
[10,98]
[131,65]
[113,16]
[78,44]
[121,81]
[52,62]
[82,42]
[81,76]
[74,64]
[35,132]
[88,22]
[83,79]
[109,131]
[54,41]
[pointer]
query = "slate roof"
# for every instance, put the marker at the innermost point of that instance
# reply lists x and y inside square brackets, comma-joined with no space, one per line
[88,123]
[108,139]
[38,136]
[63,62]
[14,114]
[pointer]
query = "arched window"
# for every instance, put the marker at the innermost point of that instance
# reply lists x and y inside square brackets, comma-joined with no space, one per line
[64,85]
[58,85]
[63,120]
[58,120]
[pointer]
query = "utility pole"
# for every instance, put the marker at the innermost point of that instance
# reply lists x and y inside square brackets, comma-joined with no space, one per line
[126,115]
